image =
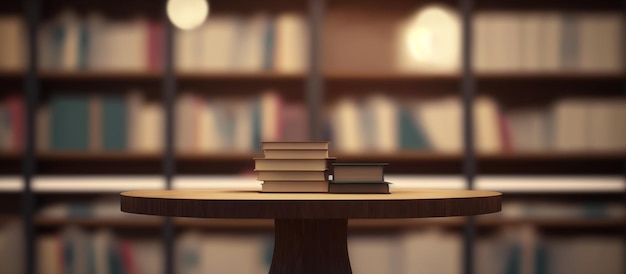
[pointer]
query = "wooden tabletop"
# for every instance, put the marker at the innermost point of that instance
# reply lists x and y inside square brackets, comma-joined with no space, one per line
[240,204]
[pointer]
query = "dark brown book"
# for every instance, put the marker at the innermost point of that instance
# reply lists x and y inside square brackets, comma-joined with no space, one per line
[359,172]
[359,188]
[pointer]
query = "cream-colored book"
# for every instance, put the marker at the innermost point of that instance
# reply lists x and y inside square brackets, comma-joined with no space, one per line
[271,107]
[295,186]
[151,127]
[292,175]
[347,127]
[385,125]
[441,121]
[487,126]
[550,37]
[295,145]
[262,164]
[13,45]
[95,122]
[571,125]
[600,47]
[296,154]
[291,43]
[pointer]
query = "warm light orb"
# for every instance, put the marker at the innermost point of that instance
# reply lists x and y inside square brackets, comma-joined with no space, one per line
[187,14]
[432,37]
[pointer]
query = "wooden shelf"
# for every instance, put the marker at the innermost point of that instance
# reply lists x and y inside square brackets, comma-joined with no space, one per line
[587,163]
[341,76]
[353,224]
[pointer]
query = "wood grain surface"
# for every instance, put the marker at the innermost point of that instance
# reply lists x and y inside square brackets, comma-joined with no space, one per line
[311,247]
[255,205]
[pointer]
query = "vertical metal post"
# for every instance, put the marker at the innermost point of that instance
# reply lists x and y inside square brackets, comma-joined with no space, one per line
[624,93]
[314,82]
[169,94]
[469,156]
[31,87]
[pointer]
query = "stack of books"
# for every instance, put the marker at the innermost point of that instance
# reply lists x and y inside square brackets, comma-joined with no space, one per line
[293,167]
[359,178]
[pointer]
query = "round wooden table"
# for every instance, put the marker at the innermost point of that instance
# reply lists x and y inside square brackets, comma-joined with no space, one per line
[310,229]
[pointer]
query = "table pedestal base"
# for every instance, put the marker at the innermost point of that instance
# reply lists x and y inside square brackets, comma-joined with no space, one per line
[310,246]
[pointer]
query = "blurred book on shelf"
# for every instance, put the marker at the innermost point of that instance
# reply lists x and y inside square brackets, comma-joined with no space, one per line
[100,251]
[99,122]
[12,123]
[548,42]
[13,46]
[381,124]
[261,42]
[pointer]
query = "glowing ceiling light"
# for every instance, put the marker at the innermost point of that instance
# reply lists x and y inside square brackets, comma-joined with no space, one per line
[187,14]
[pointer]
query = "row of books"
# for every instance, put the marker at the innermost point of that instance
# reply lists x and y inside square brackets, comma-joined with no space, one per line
[69,42]
[548,41]
[380,123]
[261,42]
[118,122]
[76,251]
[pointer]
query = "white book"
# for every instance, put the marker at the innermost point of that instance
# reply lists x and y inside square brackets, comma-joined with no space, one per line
[218,36]
[71,39]
[487,127]
[188,253]
[98,37]
[95,122]
[529,129]
[550,37]
[373,254]
[233,253]
[48,261]
[145,252]
[187,46]
[510,33]
[271,108]
[431,249]
[571,125]
[102,240]
[291,43]
[600,44]
[151,127]
[13,46]
[250,42]
[133,45]
[185,122]
[441,121]
[481,42]
[346,126]
[134,105]
[209,134]
[384,123]
[243,126]
[530,42]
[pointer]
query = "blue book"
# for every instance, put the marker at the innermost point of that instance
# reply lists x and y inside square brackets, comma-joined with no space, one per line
[114,119]
[69,122]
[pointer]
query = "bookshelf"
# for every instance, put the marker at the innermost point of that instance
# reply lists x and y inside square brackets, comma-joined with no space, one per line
[317,86]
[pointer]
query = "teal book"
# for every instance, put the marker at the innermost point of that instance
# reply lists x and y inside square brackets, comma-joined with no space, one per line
[83,47]
[69,122]
[411,134]
[114,119]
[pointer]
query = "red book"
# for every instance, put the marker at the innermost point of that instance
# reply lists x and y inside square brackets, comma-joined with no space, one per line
[155,45]
[126,251]
[505,133]
[15,106]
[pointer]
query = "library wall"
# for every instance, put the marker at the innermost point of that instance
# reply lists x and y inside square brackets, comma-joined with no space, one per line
[549,112]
